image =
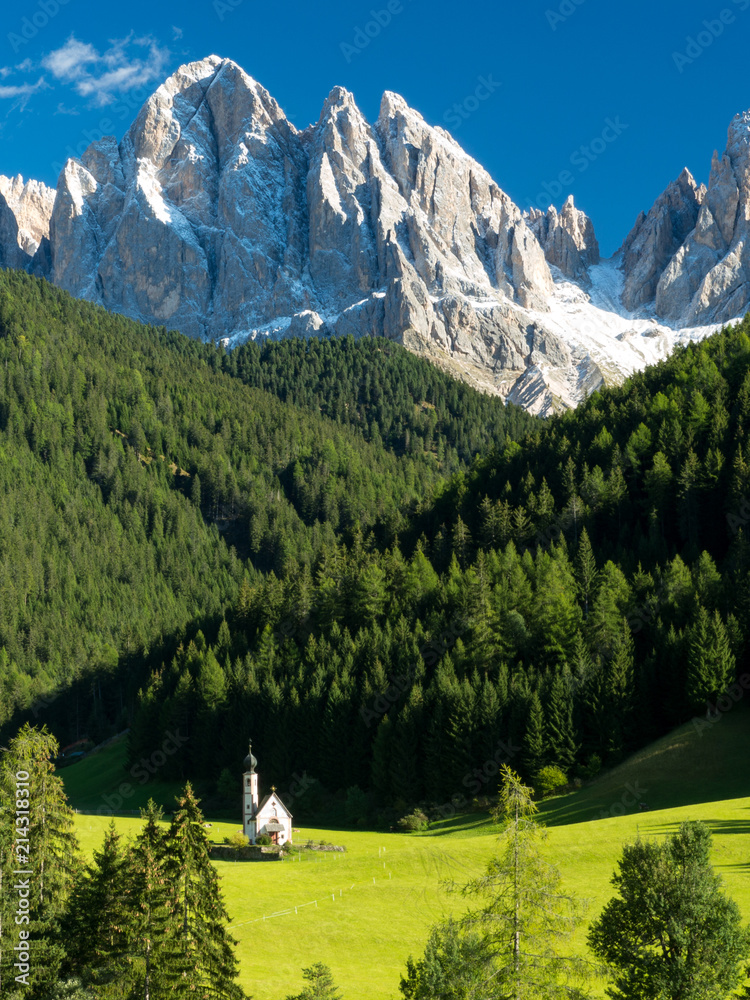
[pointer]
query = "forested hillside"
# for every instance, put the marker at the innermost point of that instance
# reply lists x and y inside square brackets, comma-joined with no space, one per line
[386,392]
[142,481]
[561,603]
[287,559]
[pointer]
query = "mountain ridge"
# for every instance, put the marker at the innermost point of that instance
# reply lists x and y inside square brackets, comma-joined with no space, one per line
[216,216]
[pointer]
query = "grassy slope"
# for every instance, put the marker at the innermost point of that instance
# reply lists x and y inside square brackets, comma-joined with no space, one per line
[366,933]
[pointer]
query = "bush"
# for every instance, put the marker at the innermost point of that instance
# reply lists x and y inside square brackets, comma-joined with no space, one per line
[414,822]
[238,839]
[264,840]
[549,780]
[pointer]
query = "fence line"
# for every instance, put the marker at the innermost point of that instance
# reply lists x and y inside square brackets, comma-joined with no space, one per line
[301,906]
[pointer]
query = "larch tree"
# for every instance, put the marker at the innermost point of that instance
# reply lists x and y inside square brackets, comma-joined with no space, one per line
[509,945]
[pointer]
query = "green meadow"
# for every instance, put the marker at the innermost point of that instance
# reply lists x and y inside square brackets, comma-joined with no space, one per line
[363,912]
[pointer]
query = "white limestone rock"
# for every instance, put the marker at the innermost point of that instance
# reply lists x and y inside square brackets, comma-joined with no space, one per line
[31,203]
[216,216]
[568,239]
[656,238]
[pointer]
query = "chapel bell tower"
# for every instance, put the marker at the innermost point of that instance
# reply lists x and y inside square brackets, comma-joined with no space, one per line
[250,799]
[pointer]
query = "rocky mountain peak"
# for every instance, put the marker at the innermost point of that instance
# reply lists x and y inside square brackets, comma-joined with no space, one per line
[568,239]
[31,203]
[214,215]
[656,238]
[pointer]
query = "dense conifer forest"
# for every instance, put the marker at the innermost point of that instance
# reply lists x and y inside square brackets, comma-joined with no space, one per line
[330,545]
[142,482]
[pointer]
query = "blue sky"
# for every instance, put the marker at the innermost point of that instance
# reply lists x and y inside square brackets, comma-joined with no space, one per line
[605,101]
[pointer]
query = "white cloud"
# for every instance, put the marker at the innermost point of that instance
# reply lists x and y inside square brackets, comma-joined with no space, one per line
[27,66]
[119,68]
[21,92]
[176,33]
[69,63]
[62,110]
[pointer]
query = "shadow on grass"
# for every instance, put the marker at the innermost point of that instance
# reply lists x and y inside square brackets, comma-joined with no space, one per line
[718,827]
[480,823]
[696,763]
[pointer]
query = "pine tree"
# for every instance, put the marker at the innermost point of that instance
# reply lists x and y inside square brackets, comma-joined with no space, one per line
[51,858]
[320,985]
[534,746]
[96,921]
[152,944]
[206,960]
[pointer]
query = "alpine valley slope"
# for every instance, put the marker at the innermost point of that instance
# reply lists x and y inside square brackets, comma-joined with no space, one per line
[217,217]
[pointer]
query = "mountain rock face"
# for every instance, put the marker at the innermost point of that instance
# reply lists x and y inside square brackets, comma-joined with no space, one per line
[11,254]
[708,279]
[216,216]
[31,204]
[568,239]
[656,238]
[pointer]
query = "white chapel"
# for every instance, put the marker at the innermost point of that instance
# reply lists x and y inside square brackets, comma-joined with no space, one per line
[270,817]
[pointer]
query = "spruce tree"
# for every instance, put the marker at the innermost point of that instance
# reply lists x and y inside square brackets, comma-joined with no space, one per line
[560,728]
[205,958]
[320,984]
[96,921]
[534,746]
[455,966]
[618,693]
[50,861]
[711,662]
[152,944]
[585,567]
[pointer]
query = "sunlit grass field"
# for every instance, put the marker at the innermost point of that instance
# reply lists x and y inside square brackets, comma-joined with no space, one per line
[365,911]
